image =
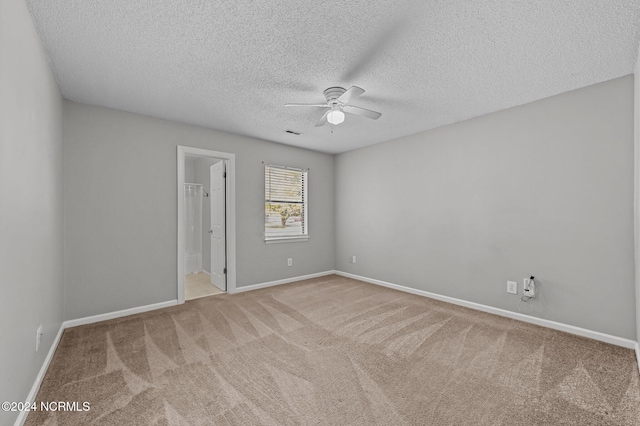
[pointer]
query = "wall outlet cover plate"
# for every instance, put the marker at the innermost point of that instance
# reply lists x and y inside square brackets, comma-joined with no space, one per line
[529,288]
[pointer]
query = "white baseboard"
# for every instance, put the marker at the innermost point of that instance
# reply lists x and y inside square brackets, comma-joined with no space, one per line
[284,281]
[206,272]
[111,315]
[596,335]
[22,416]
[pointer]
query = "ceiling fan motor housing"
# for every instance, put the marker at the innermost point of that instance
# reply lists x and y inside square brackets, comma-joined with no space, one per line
[333,93]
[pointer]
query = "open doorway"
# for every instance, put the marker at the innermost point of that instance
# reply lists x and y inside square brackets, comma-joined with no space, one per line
[205,234]
[206,223]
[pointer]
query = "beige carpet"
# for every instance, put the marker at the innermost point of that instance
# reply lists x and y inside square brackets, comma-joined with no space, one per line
[334,351]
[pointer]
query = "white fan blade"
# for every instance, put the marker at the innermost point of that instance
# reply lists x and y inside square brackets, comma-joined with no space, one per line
[353,92]
[309,105]
[361,111]
[323,119]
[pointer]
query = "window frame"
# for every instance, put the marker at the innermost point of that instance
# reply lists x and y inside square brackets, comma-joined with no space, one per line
[305,207]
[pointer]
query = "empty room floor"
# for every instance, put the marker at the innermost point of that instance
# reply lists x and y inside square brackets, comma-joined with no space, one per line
[199,285]
[335,351]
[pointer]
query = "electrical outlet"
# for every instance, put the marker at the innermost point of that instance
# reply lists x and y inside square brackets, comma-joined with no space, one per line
[289,262]
[512,287]
[39,333]
[529,287]
[353,259]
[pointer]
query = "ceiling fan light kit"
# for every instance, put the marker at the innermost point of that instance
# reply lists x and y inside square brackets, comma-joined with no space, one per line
[335,116]
[338,103]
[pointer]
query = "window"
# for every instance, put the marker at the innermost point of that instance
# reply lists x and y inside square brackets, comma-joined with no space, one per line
[285,204]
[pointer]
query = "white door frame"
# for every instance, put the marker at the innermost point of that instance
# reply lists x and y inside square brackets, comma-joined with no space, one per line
[230,160]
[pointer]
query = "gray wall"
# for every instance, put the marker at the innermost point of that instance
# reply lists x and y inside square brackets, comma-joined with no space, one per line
[30,204]
[121,208]
[203,176]
[544,189]
[190,170]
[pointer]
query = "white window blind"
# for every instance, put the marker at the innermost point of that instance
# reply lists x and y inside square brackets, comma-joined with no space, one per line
[285,206]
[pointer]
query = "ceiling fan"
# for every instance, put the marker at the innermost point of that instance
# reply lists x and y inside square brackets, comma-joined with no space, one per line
[338,103]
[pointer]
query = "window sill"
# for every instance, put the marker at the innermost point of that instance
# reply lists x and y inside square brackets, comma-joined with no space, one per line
[278,240]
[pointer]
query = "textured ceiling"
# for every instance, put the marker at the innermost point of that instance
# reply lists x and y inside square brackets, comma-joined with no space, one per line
[232,65]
